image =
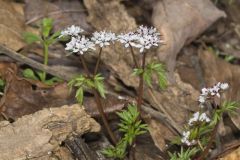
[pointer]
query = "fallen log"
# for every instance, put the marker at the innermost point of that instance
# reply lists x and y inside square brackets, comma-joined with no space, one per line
[40,134]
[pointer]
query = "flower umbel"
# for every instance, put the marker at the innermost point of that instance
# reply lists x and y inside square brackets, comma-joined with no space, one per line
[71,31]
[79,45]
[128,39]
[147,38]
[103,38]
[198,117]
[185,138]
[143,38]
[215,90]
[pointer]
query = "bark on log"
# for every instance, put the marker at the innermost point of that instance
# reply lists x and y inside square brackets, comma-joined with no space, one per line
[39,134]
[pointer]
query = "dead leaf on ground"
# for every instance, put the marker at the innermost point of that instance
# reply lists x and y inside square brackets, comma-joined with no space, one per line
[11,26]
[64,13]
[232,156]
[22,96]
[180,22]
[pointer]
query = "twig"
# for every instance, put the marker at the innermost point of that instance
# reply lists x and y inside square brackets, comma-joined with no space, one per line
[21,58]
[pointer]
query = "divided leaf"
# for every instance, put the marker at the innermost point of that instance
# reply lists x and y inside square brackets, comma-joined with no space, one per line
[47,25]
[31,37]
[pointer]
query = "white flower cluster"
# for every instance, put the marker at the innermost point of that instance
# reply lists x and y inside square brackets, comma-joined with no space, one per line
[79,44]
[128,39]
[206,93]
[198,117]
[103,38]
[71,31]
[185,138]
[212,91]
[143,38]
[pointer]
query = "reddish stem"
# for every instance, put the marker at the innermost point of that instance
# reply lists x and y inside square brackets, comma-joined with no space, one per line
[134,57]
[98,62]
[99,104]
[140,87]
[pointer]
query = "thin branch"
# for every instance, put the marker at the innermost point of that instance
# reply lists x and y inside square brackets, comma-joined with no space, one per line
[21,58]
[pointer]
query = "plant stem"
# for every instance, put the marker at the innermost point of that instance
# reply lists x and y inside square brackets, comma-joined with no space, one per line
[134,57]
[45,54]
[98,61]
[99,104]
[140,87]
[212,137]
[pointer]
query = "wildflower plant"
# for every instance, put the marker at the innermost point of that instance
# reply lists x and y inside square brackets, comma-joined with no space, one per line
[46,39]
[131,127]
[201,130]
[142,39]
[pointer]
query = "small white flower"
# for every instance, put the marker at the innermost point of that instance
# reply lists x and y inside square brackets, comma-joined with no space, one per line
[79,45]
[204,117]
[103,38]
[198,117]
[71,31]
[193,119]
[128,39]
[212,91]
[147,37]
[224,86]
[185,138]
[202,99]
[205,91]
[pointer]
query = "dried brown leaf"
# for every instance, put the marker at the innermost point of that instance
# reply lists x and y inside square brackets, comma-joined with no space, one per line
[180,22]
[11,26]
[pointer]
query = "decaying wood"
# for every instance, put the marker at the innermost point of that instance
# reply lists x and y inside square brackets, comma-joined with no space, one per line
[40,134]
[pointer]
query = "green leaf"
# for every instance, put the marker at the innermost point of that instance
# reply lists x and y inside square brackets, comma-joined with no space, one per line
[183,154]
[230,107]
[53,81]
[41,76]
[99,85]
[47,25]
[2,86]
[53,38]
[147,77]
[79,95]
[29,73]
[31,37]
[137,71]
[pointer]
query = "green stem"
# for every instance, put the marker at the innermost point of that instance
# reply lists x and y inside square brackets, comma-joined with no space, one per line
[45,54]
